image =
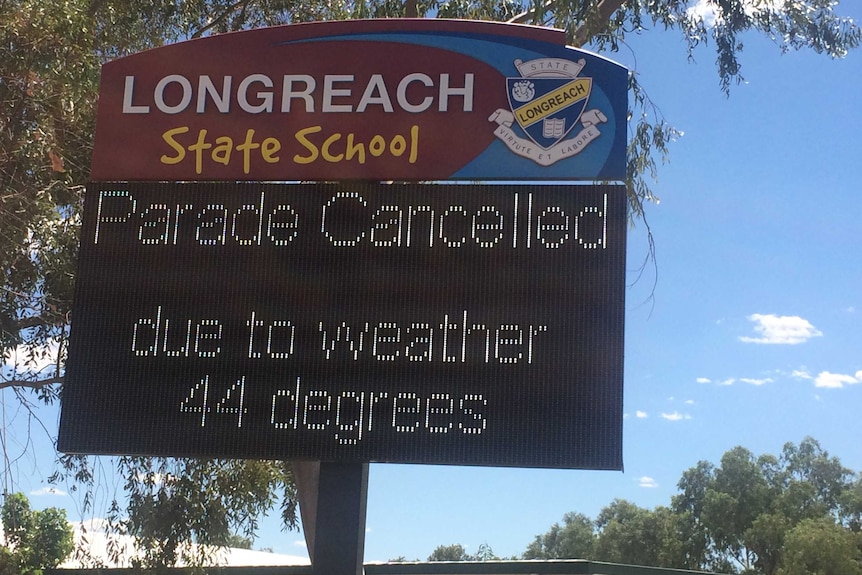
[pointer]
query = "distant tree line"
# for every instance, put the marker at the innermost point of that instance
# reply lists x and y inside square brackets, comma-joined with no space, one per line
[799,513]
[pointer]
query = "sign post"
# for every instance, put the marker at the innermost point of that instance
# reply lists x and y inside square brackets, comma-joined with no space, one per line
[339,525]
[224,309]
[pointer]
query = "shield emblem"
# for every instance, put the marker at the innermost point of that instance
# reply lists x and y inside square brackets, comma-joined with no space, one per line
[548,108]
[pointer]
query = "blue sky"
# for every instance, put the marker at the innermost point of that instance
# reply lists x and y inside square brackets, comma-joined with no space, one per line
[747,330]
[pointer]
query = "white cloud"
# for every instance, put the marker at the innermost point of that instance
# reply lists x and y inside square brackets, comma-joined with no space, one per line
[155,479]
[689,402]
[675,416]
[731,380]
[703,380]
[647,482]
[801,374]
[705,9]
[20,360]
[836,380]
[753,381]
[47,490]
[780,329]
[641,414]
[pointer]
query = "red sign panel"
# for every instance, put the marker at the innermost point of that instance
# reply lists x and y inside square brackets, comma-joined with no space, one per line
[377,99]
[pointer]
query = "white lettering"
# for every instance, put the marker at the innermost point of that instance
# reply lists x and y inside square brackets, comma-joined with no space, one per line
[184,100]
[265,98]
[128,107]
[329,92]
[289,94]
[221,100]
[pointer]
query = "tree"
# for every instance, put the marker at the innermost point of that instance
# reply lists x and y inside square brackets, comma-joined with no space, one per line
[210,502]
[850,505]
[821,547]
[50,52]
[755,515]
[633,535]
[743,511]
[454,552]
[574,539]
[808,464]
[36,540]
[238,541]
[457,552]
[738,496]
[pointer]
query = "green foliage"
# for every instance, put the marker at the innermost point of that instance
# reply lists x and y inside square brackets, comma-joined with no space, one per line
[574,539]
[788,515]
[215,503]
[631,534]
[850,507]
[821,547]
[18,520]
[457,552]
[238,541]
[48,72]
[36,540]
[745,508]
[454,552]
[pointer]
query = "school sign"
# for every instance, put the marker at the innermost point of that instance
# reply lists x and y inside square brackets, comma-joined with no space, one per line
[280,257]
[370,100]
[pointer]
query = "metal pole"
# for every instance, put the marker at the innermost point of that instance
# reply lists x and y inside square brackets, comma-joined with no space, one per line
[339,526]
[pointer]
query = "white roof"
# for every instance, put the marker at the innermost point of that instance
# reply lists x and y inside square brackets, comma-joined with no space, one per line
[92,544]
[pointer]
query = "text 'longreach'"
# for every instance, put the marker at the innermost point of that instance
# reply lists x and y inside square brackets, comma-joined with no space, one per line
[336,93]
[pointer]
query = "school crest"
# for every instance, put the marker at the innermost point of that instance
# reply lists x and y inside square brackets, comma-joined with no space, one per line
[548,102]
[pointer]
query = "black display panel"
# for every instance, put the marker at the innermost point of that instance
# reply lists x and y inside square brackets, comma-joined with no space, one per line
[420,323]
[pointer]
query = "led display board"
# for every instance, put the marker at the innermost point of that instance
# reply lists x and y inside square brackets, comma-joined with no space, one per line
[423,323]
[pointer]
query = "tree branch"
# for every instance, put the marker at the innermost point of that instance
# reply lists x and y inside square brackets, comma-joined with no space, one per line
[411,10]
[524,17]
[32,321]
[590,28]
[585,30]
[220,18]
[31,384]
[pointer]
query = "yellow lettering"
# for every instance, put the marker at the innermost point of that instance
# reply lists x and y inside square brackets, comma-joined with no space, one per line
[220,150]
[331,150]
[168,137]
[354,149]
[221,153]
[377,146]
[542,107]
[269,149]
[198,148]
[246,147]
[397,146]
[313,152]
[414,144]
[324,150]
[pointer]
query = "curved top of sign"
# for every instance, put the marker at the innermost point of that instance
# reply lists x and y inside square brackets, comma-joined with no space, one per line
[373,100]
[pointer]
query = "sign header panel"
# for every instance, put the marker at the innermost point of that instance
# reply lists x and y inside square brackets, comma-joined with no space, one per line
[476,325]
[364,100]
